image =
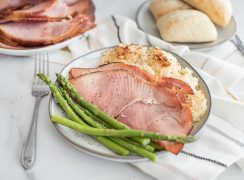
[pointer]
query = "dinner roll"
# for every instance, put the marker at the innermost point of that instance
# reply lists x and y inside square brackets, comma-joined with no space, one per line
[186,26]
[219,11]
[160,7]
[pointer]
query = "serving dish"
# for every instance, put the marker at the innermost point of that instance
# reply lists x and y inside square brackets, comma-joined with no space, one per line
[89,145]
[147,23]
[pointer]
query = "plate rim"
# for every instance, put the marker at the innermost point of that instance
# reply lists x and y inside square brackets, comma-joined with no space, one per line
[185,44]
[48,48]
[122,158]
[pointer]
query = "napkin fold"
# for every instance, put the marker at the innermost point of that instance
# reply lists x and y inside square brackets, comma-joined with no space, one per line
[221,141]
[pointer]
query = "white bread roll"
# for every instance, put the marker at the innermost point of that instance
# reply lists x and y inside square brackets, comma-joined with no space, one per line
[219,11]
[186,26]
[160,7]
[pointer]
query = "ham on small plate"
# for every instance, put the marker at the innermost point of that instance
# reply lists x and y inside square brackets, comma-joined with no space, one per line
[27,28]
[138,112]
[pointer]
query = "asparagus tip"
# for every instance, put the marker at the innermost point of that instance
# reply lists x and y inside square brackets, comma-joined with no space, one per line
[41,75]
[59,76]
[192,139]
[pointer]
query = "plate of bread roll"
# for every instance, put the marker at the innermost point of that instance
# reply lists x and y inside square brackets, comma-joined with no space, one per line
[199,24]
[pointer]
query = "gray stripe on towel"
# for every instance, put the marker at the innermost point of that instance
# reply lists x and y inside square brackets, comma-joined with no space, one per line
[204,158]
[118,28]
[222,133]
[88,42]
[204,63]
[148,39]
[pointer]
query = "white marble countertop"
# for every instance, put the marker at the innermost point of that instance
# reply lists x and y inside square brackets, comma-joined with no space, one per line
[56,159]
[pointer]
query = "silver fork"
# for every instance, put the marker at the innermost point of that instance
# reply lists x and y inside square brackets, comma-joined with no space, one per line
[238,43]
[39,90]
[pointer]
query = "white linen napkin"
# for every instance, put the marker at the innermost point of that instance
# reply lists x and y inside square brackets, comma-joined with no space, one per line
[221,141]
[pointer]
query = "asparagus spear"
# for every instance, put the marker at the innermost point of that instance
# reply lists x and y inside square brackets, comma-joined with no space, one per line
[137,149]
[94,110]
[156,146]
[132,146]
[146,147]
[119,133]
[72,115]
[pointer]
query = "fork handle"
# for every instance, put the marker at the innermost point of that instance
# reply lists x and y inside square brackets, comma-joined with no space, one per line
[29,150]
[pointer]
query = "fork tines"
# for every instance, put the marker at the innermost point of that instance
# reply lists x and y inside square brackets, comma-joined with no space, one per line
[41,66]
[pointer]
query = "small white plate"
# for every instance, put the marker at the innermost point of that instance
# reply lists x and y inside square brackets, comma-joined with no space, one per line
[147,23]
[87,143]
[50,48]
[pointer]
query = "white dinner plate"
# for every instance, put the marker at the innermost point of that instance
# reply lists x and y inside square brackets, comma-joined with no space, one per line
[49,48]
[147,23]
[89,145]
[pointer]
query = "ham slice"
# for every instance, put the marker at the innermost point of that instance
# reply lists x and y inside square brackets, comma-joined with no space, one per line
[7,46]
[159,118]
[14,4]
[127,95]
[76,72]
[44,22]
[70,2]
[40,34]
[165,81]
[52,10]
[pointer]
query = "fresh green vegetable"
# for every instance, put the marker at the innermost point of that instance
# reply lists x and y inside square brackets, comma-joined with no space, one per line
[128,144]
[146,147]
[94,110]
[156,146]
[72,115]
[120,133]
[137,149]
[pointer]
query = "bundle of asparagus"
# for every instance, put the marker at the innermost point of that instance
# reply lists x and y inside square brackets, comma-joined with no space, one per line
[86,118]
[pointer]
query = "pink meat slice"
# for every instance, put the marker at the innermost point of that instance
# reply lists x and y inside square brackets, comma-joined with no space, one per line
[39,34]
[76,72]
[136,102]
[81,6]
[37,9]
[159,118]
[14,4]
[7,46]
[122,89]
[51,10]
[69,2]
[170,82]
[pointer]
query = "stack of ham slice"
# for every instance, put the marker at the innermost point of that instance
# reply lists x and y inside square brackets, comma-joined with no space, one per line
[43,22]
[138,99]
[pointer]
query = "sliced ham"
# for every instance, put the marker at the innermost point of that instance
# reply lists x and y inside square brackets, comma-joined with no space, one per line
[14,4]
[76,72]
[39,34]
[52,10]
[159,118]
[173,84]
[128,97]
[184,87]
[125,88]
[81,6]
[43,22]
[7,46]
[70,2]
[37,9]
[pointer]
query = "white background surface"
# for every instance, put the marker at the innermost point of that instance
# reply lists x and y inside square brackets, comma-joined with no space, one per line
[16,106]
